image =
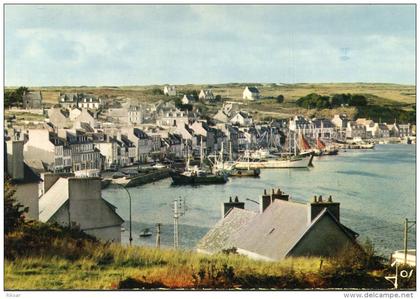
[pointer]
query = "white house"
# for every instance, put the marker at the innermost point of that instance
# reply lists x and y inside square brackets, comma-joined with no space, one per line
[74,113]
[340,120]
[172,117]
[169,90]
[86,117]
[89,102]
[187,99]
[206,95]
[49,148]
[355,130]
[78,201]
[241,118]
[251,93]
[135,115]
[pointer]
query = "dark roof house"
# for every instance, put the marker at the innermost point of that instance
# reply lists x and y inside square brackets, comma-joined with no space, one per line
[283,228]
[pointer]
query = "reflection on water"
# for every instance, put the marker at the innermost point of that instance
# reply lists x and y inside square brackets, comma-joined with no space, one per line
[376,189]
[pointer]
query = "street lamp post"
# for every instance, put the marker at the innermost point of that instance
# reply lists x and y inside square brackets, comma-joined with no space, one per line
[129,209]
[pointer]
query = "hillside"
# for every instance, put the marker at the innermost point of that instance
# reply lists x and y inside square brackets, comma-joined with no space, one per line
[387,102]
[41,256]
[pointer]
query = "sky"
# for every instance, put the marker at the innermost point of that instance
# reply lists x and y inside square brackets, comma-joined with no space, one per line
[117,45]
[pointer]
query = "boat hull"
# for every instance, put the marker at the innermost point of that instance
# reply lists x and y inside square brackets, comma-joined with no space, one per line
[245,172]
[179,179]
[287,163]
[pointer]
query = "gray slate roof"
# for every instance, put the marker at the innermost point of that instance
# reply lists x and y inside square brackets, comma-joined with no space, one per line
[274,232]
[220,237]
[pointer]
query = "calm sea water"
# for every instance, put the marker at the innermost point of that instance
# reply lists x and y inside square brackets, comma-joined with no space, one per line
[376,189]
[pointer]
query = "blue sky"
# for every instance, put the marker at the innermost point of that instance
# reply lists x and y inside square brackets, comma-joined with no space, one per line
[177,44]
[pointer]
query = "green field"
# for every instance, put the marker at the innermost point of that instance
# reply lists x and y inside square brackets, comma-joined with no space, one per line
[394,96]
[44,257]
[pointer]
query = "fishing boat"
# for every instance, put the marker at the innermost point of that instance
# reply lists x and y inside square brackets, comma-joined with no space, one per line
[195,176]
[198,175]
[229,167]
[145,233]
[283,162]
[323,150]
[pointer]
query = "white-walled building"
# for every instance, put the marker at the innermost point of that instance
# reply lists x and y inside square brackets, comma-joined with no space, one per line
[206,95]
[78,201]
[251,93]
[241,118]
[169,90]
[49,148]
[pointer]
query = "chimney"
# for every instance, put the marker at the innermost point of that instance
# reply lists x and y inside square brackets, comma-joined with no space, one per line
[318,205]
[227,206]
[279,195]
[84,209]
[15,159]
[265,201]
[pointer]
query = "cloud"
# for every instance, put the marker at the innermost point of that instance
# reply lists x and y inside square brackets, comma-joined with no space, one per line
[144,44]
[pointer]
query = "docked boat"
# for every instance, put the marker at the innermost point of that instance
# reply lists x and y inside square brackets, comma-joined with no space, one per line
[229,167]
[286,162]
[323,150]
[245,172]
[145,233]
[196,176]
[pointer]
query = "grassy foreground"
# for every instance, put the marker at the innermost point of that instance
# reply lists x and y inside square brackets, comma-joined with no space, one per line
[41,256]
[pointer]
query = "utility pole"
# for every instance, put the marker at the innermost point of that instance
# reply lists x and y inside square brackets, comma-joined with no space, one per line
[129,211]
[406,228]
[158,235]
[179,210]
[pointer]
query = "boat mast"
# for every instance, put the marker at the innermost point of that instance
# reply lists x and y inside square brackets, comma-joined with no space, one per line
[201,152]
[221,155]
[188,158]
[230,151]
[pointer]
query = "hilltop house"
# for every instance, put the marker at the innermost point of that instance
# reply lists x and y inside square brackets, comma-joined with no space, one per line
[169,90]
[79,100]
[206,95]
[187,99]
[78,201]
[282,228]
[32,100]
[251,93]
[68,100]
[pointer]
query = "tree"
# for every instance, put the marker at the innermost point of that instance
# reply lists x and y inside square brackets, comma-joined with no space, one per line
[280,98]
[13,212]
[313,100]
[358,100]
[340,99]
[14,98]
[218,98]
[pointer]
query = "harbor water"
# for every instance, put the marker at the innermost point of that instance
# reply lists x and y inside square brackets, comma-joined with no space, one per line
[376,190]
